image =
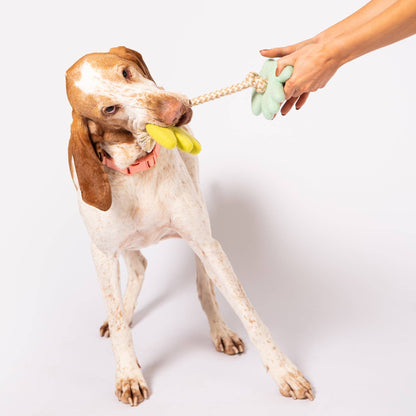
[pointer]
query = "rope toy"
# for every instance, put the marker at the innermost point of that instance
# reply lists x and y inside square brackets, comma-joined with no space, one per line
[267,96]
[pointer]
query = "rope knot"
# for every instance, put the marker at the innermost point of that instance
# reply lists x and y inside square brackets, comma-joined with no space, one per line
[252,80]
[257,82]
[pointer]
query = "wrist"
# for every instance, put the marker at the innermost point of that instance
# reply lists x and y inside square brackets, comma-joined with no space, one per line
[336,51]
[322,37]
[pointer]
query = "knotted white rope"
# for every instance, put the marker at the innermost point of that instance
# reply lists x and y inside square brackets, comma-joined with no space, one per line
[252,80]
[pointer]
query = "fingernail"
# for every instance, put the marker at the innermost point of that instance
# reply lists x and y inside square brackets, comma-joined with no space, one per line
[263,50]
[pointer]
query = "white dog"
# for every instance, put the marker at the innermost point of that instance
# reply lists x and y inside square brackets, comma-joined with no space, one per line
[132,193]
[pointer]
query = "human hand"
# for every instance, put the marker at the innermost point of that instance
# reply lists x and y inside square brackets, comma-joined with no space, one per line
[314,65]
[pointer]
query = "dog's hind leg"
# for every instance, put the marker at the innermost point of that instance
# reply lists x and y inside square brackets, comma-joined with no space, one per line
[290,380]
[136,265]
[224,339]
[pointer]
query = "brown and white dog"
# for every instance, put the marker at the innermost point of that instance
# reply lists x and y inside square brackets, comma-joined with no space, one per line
[113,96]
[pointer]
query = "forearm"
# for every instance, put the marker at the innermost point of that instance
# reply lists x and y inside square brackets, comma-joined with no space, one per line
[316,60]
[357,19]
[393,24]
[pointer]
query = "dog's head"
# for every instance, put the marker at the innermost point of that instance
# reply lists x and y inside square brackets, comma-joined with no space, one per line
[113,97]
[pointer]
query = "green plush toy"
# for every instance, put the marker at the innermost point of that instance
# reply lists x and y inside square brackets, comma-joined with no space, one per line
[269,102]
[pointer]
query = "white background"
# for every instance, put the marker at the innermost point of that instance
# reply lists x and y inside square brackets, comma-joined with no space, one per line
[316,210]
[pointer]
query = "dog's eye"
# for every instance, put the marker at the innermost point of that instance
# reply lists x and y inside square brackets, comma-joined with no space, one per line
[126,73]
[110,110]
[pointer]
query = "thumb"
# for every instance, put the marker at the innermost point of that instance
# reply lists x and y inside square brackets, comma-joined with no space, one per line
[282,63]
[278,52]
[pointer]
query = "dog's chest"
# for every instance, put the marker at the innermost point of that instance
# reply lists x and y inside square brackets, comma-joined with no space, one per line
[144,211]
[143,206]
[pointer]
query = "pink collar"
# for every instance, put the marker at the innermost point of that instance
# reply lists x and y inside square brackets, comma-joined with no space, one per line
[140,165]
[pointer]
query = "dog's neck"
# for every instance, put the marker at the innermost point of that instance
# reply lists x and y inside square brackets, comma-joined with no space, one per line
[121,145]
[125,154]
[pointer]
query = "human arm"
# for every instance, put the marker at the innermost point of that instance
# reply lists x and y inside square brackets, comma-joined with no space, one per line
[377,24]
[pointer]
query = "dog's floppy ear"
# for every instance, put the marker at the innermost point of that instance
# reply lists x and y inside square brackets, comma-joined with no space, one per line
[92,177]
[133,56]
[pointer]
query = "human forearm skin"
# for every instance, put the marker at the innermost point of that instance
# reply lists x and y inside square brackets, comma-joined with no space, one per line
[396,22]
[315,60]
[355,20]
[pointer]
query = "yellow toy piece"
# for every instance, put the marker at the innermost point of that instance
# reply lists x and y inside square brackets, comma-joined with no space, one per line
[171,137]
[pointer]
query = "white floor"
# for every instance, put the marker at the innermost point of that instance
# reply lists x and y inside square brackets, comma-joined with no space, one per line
[354,340]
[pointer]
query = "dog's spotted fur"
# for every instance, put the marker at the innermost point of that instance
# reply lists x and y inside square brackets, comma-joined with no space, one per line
[123,214]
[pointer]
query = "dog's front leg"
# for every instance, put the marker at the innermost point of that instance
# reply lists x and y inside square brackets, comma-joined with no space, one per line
[290,380]
[131,387]
[136,265]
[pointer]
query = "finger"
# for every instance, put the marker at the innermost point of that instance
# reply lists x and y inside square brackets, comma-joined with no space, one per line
[288,105]
[282,64]
[290,89]
[302,100]
[277,52]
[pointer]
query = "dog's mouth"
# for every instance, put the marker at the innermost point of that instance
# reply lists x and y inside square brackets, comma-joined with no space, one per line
[181,120]
[166,118]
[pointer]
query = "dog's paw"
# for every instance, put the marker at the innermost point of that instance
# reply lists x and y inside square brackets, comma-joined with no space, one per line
[227,341]
[293,384]
[132,390]
[105,330]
